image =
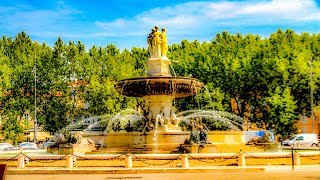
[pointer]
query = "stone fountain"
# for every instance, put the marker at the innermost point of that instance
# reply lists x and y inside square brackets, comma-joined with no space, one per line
[159,88]
[161,132]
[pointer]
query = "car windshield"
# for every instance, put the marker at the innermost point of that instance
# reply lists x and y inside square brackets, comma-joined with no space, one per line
[4,144]
[26,144]
[293,137]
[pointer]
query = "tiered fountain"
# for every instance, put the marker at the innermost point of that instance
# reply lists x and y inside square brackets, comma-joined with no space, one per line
[159,88]
[160,132]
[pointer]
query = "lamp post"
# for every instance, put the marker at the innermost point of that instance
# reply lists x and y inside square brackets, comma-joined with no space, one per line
[311,95]
[35,104]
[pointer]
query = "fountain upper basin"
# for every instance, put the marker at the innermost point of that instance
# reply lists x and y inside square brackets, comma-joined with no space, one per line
[176,86]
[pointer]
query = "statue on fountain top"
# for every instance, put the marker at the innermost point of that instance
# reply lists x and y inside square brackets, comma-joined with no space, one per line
[157,43]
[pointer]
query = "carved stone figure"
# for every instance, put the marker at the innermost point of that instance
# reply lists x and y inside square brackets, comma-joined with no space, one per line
[116,126]
[150,41]
[59,139]
[164,43]
[157,42]
[203,136]
[194,137]
[128,127]
[75,137]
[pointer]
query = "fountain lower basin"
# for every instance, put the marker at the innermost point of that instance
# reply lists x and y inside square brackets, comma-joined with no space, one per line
[166,142]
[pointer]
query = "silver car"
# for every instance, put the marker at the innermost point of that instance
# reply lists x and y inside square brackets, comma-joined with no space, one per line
[5,146]
[27,146]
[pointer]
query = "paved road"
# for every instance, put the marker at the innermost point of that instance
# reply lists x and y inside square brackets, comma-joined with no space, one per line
[273,172]
[301,175]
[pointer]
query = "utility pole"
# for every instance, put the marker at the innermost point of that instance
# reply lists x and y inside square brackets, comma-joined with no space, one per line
[311,95]
[35,103]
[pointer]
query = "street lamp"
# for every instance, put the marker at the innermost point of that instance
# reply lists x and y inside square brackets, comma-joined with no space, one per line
[35,103]
[311,95]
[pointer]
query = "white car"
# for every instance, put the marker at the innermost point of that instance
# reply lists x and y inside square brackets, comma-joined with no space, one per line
[27,146]
[5,146]
[307,140]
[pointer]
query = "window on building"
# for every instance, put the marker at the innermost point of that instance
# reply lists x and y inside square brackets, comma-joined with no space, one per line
[86,105]
[87,120]
[26,116]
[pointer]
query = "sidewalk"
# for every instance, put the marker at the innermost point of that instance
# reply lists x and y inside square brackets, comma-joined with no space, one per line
[212,169]
[193,173]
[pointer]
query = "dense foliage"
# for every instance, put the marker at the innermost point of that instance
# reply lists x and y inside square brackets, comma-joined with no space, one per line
[264,80]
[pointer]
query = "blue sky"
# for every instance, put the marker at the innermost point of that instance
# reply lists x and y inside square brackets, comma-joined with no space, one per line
[126,23]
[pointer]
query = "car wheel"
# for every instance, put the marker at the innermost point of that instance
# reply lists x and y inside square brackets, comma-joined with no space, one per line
[314,145]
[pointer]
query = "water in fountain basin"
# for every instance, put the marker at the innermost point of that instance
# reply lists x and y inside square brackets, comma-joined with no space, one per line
[226,120]
[155,135]
[174,72]
[128,115]
[74,125]
[210,98]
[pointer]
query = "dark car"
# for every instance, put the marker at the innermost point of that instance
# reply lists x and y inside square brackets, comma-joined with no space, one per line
[27,146]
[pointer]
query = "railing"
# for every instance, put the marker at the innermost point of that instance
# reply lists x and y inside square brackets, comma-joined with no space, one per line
[129,160]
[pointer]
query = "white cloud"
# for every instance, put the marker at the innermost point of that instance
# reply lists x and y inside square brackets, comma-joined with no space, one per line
[192,16]
[294,10]
[199,20]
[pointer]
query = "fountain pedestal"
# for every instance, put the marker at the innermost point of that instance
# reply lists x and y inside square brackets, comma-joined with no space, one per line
[158,66]
[159,106]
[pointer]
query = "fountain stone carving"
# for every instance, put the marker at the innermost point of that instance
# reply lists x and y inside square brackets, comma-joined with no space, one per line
[159,88]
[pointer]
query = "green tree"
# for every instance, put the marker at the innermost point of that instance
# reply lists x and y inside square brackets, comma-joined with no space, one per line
[282,112]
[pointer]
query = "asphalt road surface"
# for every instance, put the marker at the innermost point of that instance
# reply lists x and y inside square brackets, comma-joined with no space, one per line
[300,174]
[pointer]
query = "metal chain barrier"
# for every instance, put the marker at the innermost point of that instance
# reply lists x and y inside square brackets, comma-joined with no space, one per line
[145,161]
[208,160]
[279,157]
[221,159]
[310,157]
[10,159]
[47,161]
[111,158]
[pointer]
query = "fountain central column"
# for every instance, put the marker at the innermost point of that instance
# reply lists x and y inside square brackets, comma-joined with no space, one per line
[159,106]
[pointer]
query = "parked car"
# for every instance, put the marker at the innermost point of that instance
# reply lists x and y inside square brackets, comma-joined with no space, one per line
[48,144]
[27,146]
[5,146]
[302,140]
